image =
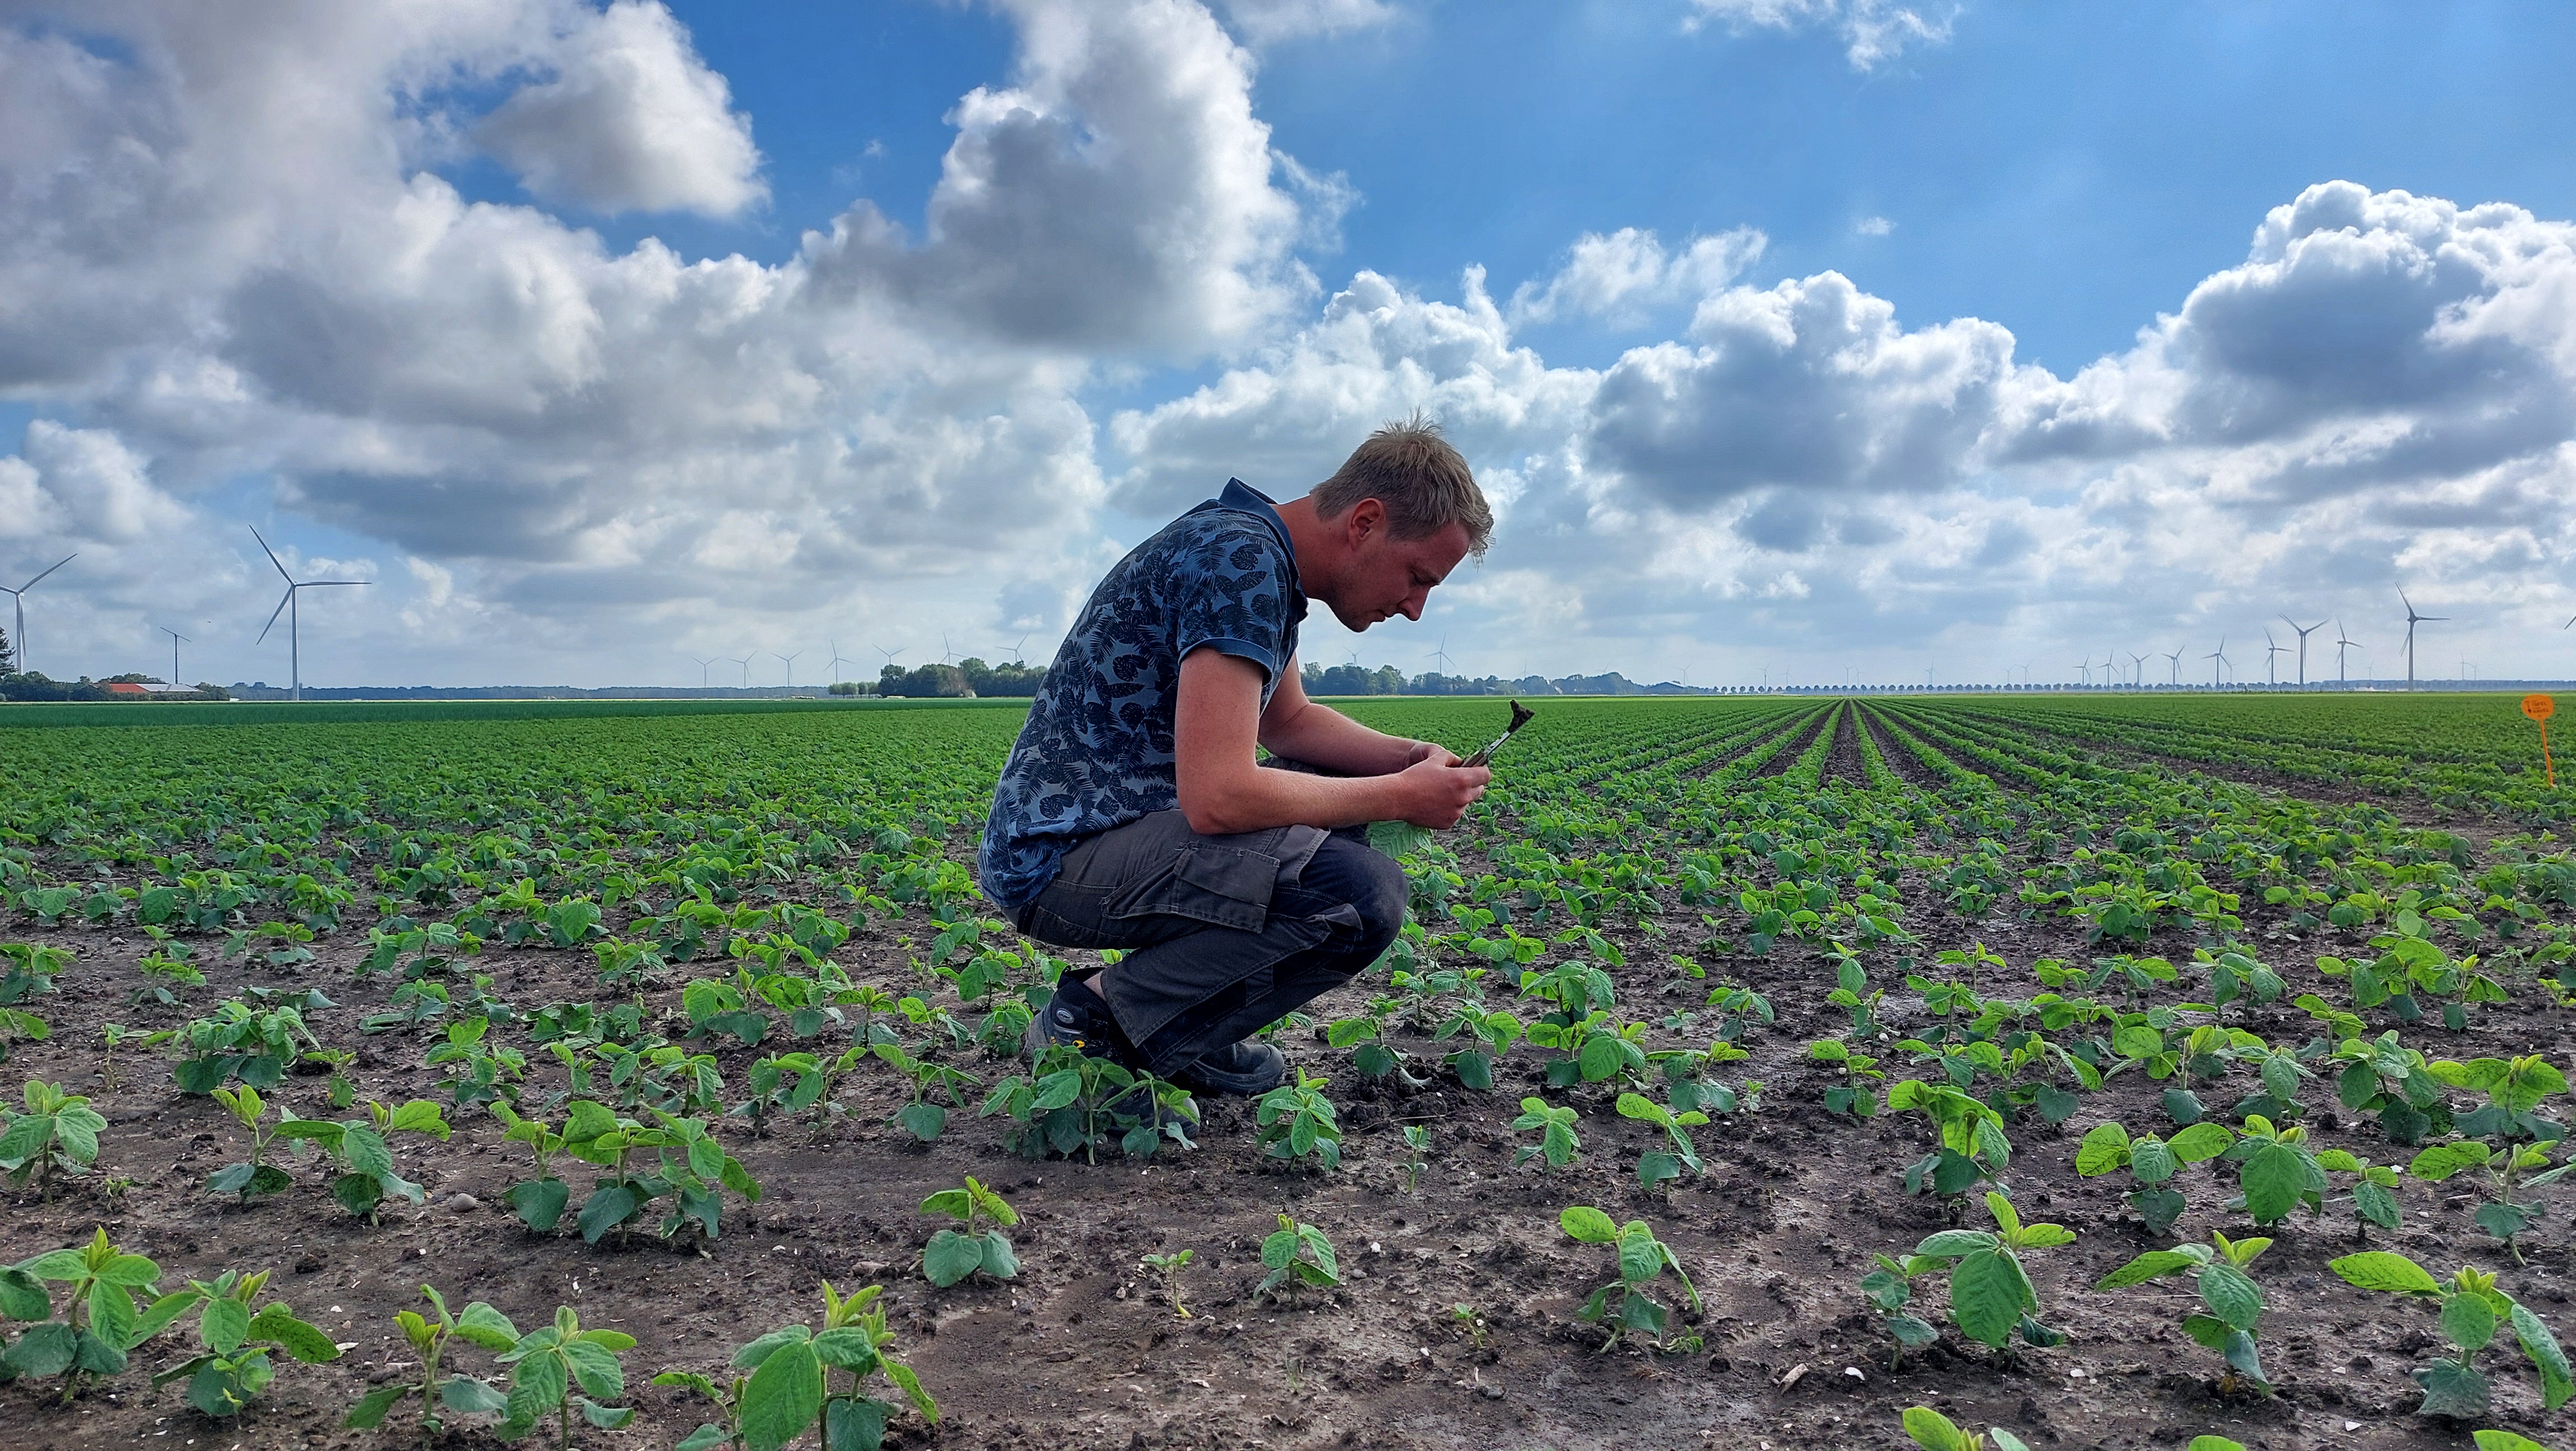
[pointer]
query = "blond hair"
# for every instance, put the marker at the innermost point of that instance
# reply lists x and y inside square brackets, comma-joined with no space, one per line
[1423,482]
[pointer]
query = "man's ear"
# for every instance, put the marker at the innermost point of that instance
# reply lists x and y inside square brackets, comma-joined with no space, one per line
[1365,521]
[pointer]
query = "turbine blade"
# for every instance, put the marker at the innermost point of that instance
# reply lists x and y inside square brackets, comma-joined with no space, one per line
[273,614]
[271,553]
[312,583]
[31,584]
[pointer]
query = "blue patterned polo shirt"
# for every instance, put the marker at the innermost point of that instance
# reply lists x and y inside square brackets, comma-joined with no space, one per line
[1097,749]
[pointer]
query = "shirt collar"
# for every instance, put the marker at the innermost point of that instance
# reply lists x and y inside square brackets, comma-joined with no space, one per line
[1245,498]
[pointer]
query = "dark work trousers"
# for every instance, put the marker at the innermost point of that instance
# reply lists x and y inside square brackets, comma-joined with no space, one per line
[1224,935]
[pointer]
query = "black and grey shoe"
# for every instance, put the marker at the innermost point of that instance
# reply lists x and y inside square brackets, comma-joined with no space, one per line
[1245,1069]
[1076,1018]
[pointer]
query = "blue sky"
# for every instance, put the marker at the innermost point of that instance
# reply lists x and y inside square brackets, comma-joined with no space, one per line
[1906,413]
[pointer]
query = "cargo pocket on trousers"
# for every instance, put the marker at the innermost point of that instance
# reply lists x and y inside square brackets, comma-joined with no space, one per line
[1219,883]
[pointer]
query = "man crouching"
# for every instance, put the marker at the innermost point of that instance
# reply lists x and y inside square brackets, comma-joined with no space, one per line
[1132,812]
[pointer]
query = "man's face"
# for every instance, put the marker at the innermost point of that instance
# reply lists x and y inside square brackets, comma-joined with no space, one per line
[1384,576]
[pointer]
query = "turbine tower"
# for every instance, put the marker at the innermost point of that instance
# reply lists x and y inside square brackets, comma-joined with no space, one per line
[2175,657]
[839,660]
[2086,666]
[1440,656]
[293,610]
[2217,659]
[2412,620]
[2303,645]
[2341,644]
[791,666]
[1016,657]
[703,663]
[2137,669]
[18,598]
[175,640]
[2272,649]
[745,663]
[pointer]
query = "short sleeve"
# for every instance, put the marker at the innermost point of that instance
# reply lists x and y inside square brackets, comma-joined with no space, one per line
[1230,593]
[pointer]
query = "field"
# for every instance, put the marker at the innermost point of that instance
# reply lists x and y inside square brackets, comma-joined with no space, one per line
[668,1017]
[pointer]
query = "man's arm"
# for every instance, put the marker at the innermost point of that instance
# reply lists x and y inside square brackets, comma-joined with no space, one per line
[1319,735]
[1218,720]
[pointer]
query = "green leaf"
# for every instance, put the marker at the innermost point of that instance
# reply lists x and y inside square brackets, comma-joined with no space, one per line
[2504,1441]
[2273,1180]
[2542,1347]
[1988,1292]
[604,1210]
[2201,1142]
[951,1257]
[595,1367]
[44,1352]
[2452,1389]
[23,1296]
[2441,1161]
[782,1398]
[540,1202]
[858,1425]
[2151,1265]
[2232,1296]
[467,1396]
[370,1410]
[1933,1431]
[2105,1148]
[486,1327]
[2385,1271]
[924,1121]
[2467,1321]
[1588,1225]
[537,1385]
[1951,1244]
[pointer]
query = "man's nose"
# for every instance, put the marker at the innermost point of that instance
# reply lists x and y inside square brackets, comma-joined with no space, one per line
[1413,605]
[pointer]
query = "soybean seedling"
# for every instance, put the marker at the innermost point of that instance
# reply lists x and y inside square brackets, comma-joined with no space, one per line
[1658,1165]
[2503,1137]
[1417,1144]
[540,1201]
[1297,1255]
[554,1366]
[1990,1292]
[1624,1302]
[1471,1323]
[255,1175]
[2472,1311]
[791,1383]
[956,1254]
[1933,1431]
[2152,1162]
[57,1133]
[2231,1301]
[1167,1273]
[100,1321]
[1296,1120]
[462,1394]
[1890,1290]
[235,1366]
[1973,1146]
[1556,1141]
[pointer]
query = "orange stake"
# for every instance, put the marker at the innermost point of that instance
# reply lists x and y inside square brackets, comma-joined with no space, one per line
[2540,708]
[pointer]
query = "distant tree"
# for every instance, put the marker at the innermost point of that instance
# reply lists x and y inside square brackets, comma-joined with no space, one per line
[8,655]
[924,682]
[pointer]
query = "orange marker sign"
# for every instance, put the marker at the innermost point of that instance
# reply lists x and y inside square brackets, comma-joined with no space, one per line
[2540,708]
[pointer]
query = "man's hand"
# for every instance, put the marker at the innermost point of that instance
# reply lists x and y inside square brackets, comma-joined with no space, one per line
[1438,791]
[1430,751]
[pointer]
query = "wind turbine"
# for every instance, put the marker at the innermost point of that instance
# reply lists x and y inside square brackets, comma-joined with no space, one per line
[2175,656]
[702,668]
[175,639]
[2341,644]
[18,597]
[2303,645]
[2272,648]
[889,654]
[294,612]
[2085,666]
[2138,667]
[2218,658]
[745,663]
[1016,657]
[1441,655]
[946,655]
[791,666]
[838,660]
[2412,620]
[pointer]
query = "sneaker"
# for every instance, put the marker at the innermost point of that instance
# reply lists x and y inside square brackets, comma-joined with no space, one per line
[1246,1069]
